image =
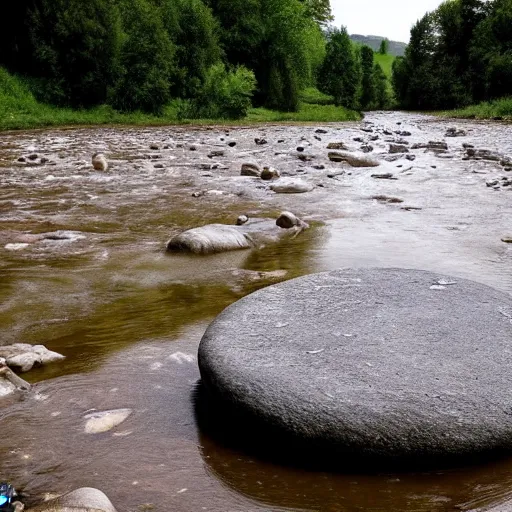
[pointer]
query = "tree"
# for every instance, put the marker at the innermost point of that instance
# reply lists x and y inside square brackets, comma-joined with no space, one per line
[339,72]
[147,60]
[319,11]
[74,46]
[367,78]
[197,46]
[384,47]
[380,80]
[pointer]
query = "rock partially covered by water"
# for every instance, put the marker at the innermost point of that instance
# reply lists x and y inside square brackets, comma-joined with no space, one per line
[24,356]
[291,186]
[384,365]
[487,154]
[99,162]
[85,499]
[455,132]
[431,145]
[214,238]
[269,173]
[9,381]
[103,421]
[250,169]
[353,159]
[398,148]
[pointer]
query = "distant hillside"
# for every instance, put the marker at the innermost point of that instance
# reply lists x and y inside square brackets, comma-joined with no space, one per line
[396,48]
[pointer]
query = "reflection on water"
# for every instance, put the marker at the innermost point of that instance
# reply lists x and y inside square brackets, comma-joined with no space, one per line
[129,317]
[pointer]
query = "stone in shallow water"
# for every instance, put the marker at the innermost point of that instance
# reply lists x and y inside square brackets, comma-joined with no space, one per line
[103,421]
[370,363]
[85,499]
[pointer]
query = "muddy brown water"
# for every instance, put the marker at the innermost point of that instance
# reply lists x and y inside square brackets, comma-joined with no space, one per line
[99,288]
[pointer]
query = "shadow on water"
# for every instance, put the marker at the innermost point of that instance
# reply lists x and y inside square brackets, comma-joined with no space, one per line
[253,460]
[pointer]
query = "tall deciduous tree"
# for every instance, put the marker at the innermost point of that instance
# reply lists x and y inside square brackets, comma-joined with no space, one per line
[339,74]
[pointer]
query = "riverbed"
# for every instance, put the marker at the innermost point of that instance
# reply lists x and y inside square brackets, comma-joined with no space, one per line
[83,270]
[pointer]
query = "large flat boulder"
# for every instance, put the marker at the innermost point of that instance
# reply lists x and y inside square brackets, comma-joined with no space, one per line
[382,364]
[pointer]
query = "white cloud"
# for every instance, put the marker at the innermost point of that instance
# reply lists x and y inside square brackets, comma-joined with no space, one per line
[389,18]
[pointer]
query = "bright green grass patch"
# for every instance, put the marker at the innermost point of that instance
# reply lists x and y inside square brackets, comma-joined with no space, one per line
[386,63]
[307,113]
[314,96]
[501,108]
[20,110]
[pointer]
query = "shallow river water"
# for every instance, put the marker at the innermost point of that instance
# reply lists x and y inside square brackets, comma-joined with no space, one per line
[83,271]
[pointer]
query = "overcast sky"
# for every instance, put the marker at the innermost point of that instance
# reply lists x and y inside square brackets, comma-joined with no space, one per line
[389,18]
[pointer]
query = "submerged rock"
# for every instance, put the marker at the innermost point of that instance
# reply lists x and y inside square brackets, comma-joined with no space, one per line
[85,499]
[103,421]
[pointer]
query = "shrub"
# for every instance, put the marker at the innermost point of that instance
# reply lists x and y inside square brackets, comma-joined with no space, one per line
[224,94]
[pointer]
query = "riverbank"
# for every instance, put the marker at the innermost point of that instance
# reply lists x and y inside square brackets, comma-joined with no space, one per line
[499,110]
[19,110]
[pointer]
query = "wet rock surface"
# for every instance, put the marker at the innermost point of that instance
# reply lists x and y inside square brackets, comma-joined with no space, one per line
[85,499]
[377,363]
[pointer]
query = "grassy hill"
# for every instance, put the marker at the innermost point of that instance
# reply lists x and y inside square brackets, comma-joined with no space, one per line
[396,48]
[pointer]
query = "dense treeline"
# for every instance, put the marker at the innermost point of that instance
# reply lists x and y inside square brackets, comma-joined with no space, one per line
[459,54]
[215,58]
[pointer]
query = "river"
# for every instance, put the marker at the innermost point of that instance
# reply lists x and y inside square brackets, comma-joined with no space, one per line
[99,288]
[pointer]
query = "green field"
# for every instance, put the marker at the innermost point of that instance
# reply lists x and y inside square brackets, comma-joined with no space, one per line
[20,110]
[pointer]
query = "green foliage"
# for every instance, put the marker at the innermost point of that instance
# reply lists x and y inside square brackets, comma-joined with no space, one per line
[319,11]
[382,99]
[313,96]
[384,47]
[147,60]
[75,49]
[20,110]
[459,54]
[197,40]
[367,78]
[141,54]
[225,94]
[501,109]
[339,75]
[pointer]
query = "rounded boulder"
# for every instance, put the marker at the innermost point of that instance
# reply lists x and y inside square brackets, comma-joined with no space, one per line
[387,364]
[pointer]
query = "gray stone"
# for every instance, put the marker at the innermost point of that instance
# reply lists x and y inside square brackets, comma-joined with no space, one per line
[24,356]
[85,499]
[430,145]
[214,238]
[291,186]
[368,363]
[353,159]
[250,169]
[398,148]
